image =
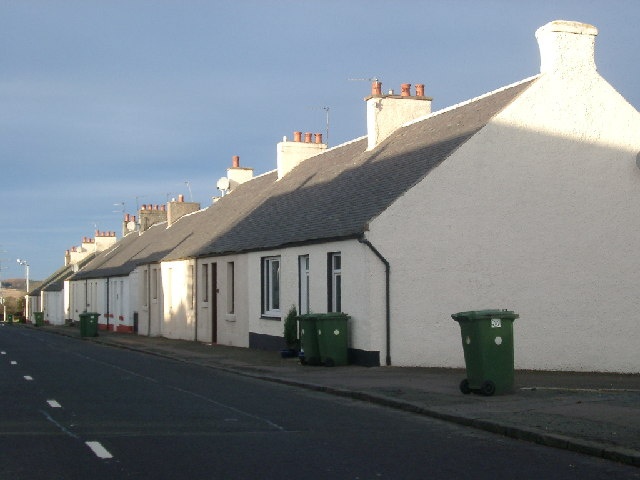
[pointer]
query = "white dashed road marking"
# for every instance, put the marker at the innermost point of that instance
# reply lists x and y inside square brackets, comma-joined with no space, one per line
[13,362]
[99,450]
[3,353]
[54,404]
[28,378]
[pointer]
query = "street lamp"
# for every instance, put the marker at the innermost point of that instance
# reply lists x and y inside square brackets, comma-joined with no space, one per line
[26,265]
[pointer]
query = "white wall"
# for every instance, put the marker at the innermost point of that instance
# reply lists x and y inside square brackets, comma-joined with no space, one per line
[53,307]
[178,319]
[537,213]
[362,290]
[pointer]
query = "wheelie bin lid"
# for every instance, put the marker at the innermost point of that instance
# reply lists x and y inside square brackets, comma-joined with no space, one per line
[473,315]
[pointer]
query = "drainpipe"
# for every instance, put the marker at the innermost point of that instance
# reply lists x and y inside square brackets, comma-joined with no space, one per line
[148,274]
[107,303]
[387,274]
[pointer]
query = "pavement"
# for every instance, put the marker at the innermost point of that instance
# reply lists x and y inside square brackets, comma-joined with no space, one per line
[595,414]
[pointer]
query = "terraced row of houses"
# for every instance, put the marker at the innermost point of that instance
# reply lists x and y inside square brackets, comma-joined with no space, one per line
[524,198]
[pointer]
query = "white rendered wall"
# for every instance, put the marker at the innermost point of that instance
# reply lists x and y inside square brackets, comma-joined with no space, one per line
[537,213]
[362,290]
[53,307]
[178,320]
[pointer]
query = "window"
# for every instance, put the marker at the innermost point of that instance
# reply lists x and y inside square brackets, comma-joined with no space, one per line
[205,282]
[145,282]
[230,288]
[271,286]
[303,284]
[334,280]
[154,283]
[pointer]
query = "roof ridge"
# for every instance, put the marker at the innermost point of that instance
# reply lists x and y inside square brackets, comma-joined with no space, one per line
[471,100]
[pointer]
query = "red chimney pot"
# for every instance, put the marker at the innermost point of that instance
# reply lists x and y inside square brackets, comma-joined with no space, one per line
[406,90]
[235,161]
[307,137]
[318,138]
[376,88]
[297,136]
[181,198]
[420,89]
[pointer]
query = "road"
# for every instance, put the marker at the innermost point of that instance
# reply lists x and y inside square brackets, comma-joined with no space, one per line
[77,410]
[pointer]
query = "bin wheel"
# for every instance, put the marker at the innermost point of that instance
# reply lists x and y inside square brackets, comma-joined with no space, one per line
[464,387]
[488,388]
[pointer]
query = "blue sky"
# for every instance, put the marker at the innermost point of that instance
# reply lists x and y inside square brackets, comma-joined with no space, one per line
[111,102]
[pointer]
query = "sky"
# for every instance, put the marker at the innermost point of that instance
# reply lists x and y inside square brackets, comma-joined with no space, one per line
[108,105]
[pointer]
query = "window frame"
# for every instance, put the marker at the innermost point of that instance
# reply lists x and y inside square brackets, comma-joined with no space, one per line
[334,282]
[270,290]
[303,284]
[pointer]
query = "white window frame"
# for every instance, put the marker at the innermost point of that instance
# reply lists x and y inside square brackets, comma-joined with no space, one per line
[334,276]
[303,284]
[270,272]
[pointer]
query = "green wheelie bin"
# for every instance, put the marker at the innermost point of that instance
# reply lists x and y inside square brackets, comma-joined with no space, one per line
[38,318]
[487,341]
[89,324]
[309,349]
[333,339]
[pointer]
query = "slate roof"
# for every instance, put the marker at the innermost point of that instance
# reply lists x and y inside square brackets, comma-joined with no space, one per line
[132,250]
[55,281]
[331,196]
[336,194]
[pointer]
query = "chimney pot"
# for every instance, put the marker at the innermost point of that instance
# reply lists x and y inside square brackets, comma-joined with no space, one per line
[307,137]
[376,88]
[297,136]
[235,161]
[406,90]
[318,138]
[420,90]
[126,217]
[180,198]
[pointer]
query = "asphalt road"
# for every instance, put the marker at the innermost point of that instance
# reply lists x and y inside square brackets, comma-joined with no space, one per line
[77,410]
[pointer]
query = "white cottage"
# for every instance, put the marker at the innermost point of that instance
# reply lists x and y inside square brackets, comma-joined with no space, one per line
[524,198]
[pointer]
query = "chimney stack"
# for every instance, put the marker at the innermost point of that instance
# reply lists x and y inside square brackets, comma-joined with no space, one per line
[567,47]
[237,175]
[387,113]
[291,154]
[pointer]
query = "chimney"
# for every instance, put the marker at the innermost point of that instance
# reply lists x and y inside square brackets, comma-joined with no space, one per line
[149,216]
[178,209]
[387,113]
[237,174]
[103,240]
[290,154]
[567,47]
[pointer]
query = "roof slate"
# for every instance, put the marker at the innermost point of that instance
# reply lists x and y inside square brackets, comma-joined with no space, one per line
[336,194]
[331,196]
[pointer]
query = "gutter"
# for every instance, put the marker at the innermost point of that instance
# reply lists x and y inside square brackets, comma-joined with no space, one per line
[387,271]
